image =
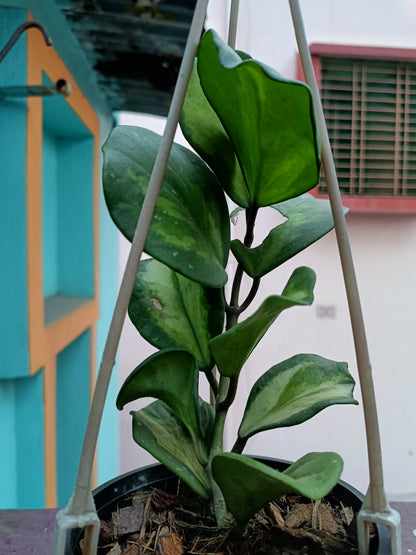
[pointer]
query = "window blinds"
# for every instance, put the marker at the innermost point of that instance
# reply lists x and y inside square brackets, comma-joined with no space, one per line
[370,109]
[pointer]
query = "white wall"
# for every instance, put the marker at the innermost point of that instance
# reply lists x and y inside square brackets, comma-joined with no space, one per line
[383,247]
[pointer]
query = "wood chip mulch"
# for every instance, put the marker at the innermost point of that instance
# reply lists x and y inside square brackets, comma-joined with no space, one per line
[160,523]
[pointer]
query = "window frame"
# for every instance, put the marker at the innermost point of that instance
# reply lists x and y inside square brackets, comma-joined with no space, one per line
[361,203]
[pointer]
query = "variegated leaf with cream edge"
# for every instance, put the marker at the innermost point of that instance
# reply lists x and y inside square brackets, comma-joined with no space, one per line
[171,311]
[170,375]
[157,429]
[308,219]
[190,229]
[247,485]
[293,391]
[232,348]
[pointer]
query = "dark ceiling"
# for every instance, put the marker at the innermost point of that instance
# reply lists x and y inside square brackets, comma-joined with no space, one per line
[134,46]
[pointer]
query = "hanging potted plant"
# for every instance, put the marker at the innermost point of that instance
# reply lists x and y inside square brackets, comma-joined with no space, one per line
[257,146]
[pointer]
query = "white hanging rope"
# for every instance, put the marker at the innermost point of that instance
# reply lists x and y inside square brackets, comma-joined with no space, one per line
[81,501]
[378,498]
[232,27]
[137,246]
[375,506]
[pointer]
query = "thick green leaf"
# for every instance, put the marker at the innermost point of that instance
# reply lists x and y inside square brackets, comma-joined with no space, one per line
[308,219]
[171,311]
[205,133]
[269,121]
[247,485]
[295,390]
[190,226]
[161,433]
[231,349]
[172,377]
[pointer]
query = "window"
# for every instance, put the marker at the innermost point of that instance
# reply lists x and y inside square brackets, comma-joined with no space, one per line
[369,100]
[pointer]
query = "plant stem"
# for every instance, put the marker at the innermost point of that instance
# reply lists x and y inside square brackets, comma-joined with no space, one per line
[232,390]
[222,515]
[218,502]
[220,414]
[228,386]
[233,310]
[239,445]
[251,215]
[212,380]
[250,296]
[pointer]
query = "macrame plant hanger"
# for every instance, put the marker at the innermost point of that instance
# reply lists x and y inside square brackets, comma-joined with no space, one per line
[80,511]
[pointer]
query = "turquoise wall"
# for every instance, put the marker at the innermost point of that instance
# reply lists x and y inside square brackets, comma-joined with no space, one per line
[50,214]
[14,356]
[68,236]
[67,204]
[30,442]
[71,418]
[22,455]
[108,440]
[8,477]
[76,61]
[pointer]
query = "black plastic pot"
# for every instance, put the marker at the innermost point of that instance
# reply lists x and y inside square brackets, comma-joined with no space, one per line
[110,495]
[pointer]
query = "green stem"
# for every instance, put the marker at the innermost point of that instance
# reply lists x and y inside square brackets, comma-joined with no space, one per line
[251,215]
[222,515]
[220,415]
[233,311]
[239,445]
[250,296]
[228,386]
[232,390]
[212,380]
[218,502]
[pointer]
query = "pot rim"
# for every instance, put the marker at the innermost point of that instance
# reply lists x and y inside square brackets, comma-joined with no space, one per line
[160,472]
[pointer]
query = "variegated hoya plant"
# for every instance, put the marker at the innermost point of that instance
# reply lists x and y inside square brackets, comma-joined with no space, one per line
[257,142]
